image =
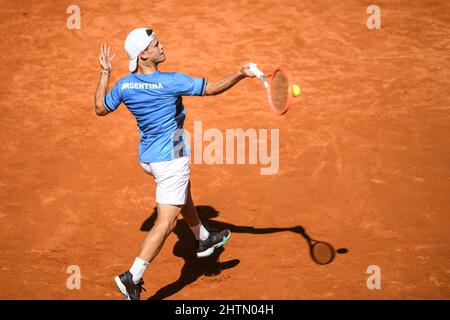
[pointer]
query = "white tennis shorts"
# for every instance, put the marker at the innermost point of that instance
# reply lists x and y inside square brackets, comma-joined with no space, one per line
[172,180]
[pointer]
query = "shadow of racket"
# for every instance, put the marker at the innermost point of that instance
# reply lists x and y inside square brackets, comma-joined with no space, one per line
[321,252]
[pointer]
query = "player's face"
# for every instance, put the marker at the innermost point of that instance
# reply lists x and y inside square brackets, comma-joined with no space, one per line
[155,51]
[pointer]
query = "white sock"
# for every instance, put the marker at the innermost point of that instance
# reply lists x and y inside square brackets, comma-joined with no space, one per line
[200,232]
[138,268]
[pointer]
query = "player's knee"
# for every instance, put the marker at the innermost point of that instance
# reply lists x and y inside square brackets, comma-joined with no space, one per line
[167,225]
[172,225]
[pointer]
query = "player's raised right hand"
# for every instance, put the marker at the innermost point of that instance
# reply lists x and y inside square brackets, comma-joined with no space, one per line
[104,58]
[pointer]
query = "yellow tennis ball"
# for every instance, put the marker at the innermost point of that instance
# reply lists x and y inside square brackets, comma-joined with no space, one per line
[296,90]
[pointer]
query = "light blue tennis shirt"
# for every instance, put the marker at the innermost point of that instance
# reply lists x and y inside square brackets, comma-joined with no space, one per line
[155,100]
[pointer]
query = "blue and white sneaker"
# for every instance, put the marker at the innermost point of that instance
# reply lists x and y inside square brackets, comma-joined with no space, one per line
[215,240]
[126,285]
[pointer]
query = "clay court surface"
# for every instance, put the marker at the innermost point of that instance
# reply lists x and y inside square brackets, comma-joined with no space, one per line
[364,151]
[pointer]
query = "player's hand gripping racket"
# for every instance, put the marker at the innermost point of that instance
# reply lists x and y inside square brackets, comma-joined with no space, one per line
[280,87]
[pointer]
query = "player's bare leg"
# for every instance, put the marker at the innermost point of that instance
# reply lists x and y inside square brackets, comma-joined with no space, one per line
[164,224]
[130,282]
[207,241]
[189,212]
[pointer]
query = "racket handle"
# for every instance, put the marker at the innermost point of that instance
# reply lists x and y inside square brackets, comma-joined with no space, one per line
[258,73]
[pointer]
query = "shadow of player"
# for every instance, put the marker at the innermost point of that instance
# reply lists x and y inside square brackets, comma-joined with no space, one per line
[185,248]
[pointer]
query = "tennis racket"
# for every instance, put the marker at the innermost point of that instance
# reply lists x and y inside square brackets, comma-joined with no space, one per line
[278,85]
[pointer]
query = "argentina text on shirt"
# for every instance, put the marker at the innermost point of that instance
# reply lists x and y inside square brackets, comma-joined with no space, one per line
[141,86]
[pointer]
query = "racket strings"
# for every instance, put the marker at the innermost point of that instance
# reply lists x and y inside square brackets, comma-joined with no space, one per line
[279,91]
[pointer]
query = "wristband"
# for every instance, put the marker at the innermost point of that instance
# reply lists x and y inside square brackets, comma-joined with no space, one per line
[106,71]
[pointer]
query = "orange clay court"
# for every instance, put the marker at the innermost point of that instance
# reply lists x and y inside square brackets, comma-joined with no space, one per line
[364,151]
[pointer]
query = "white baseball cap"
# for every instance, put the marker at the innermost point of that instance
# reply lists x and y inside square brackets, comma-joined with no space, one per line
[136,42]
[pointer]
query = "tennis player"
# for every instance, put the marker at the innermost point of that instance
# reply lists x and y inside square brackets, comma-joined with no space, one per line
[155,99]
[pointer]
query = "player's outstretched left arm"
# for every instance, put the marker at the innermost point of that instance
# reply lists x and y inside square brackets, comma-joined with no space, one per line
[222,85]
[102,89]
